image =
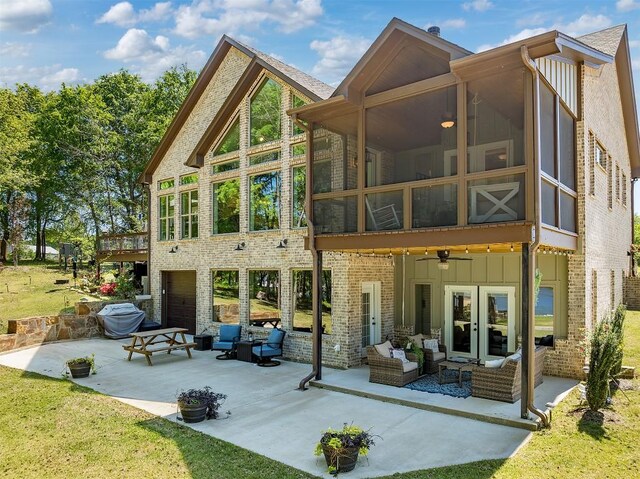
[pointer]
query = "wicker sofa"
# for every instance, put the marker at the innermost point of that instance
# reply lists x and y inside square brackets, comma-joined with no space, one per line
[503,384]
[390,371]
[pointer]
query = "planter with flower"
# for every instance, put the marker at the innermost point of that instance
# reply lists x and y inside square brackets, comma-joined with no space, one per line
[81,367]
[197,404]
[342,446]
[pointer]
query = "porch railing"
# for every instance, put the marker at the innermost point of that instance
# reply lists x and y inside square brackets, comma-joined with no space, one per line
[123,243]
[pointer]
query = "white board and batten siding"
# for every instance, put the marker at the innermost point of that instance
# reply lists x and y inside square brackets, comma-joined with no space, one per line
[563,77]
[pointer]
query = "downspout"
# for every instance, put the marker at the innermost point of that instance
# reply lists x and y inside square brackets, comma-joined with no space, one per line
[632,259]
[148,188]
[528,367]
[316,333]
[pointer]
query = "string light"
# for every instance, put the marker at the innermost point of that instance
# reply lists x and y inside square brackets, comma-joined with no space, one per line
[426,251]
[488,249]
[512,247]
[544,251]
[466,249]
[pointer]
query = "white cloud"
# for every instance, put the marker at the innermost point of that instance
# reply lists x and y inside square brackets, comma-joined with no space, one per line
[478,5]
[532,20]
[634,43]
[151,56]
[135,44]
[627,5]
[337,56]
[47,77]
[454,23]
[210,17]
[584,24]
[124,15]
[14,50]
[24,15]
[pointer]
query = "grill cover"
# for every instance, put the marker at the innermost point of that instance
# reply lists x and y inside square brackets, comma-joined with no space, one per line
[120,320]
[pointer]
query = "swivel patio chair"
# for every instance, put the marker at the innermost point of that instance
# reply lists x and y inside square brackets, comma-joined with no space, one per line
[271,348]
[229,335]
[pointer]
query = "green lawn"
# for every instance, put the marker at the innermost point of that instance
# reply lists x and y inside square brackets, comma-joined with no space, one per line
[29,290]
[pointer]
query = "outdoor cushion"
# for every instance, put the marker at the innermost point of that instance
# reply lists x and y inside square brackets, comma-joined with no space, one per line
[417,340]
[514,357]
[399,354]
[383,349]
[266,351]
[275,336]
[431,344]
[494,363]
[439,356]
[223,346]
[229,332]
[409,366]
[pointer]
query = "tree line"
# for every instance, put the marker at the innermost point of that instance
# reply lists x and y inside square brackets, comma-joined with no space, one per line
[70,159]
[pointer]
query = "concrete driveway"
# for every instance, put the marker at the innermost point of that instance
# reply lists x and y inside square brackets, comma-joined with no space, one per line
[270,416]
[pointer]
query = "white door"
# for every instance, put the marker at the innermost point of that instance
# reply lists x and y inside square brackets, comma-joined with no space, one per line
[371,323]
[497,324]
[461,320]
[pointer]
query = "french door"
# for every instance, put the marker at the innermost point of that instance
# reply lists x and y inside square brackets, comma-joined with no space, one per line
[480,321]
[370,319]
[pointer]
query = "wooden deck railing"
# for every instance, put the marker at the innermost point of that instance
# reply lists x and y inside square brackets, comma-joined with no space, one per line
[129,243]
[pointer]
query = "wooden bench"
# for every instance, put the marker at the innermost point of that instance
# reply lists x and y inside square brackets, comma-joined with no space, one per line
[144,341]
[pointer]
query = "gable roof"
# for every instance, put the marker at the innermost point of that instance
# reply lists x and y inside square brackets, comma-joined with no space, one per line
[308,85]
[614,41]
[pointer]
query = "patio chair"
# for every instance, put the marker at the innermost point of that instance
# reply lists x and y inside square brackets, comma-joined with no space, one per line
[390,371]
[271,348]
[229,335]
[431,358]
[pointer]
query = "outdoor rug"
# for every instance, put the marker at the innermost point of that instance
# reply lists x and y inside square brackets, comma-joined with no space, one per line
[429,384]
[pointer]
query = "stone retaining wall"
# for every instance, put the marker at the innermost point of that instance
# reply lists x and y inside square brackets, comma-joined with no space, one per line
[43,329]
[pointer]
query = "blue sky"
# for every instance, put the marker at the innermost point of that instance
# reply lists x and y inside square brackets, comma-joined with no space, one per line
[46,42]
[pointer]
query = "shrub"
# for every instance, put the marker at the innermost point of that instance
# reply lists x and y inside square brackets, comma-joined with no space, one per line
[108,289]
[605,350]
[125,287]
[617,326]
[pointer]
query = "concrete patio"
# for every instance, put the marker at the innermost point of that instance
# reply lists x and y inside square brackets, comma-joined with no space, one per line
[265,404]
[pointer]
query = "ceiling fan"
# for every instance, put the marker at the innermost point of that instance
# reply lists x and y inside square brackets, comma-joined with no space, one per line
[443,259]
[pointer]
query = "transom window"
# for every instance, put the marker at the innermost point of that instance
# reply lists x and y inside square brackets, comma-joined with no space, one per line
[166,184]
[225,206]
[264,157]
[166,210]
[189,179]
[265,113]
[189,214]
[225,166]
[264,209]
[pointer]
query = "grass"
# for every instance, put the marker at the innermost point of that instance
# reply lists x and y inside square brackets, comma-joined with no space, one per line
[53,428]
[29,290]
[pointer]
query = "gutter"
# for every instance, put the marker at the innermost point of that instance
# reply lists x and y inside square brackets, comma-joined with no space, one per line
[528,371]
[316,333]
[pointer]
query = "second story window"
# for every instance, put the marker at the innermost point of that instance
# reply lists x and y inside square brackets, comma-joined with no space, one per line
[189,214]
[166,210]
[299,182]
[264,203]
[231,141]
[600,156]
[225,206]
[265,113]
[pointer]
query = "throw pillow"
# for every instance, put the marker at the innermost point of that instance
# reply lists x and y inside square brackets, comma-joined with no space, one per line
[493,363]
[417,340]
[514,357]
[431,344]
[399,354]
[383,348]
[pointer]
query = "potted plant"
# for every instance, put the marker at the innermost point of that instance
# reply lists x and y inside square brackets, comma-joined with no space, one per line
[81,367]
[197,404]
[341,447]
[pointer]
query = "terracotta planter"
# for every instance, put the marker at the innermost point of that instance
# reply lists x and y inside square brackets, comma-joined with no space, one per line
[79,370]
[342,460]
[193,412]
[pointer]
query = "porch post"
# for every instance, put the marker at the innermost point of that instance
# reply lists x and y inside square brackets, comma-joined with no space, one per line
[316,335]
[527,357]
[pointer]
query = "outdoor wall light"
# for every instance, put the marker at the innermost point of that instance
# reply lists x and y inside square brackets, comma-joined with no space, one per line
[282,244]
[239,246]
[174,249]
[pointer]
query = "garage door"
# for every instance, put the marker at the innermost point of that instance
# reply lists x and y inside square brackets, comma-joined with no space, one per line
[179,300]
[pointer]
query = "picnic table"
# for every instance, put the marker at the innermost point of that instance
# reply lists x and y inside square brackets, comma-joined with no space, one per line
[262,321]
[144,342]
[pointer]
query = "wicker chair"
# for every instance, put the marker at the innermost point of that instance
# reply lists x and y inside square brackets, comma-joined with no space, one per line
[503,384]
[430,365]
[390,371]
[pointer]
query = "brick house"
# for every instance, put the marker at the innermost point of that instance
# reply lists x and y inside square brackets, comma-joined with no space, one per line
[440,181]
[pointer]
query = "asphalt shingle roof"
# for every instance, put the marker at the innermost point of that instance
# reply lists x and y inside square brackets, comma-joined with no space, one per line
[607,41]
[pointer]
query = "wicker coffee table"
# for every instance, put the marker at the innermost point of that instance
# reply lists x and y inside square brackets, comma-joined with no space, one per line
[459,366]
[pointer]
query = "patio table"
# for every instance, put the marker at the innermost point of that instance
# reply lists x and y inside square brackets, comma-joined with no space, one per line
[143,340]
[456,366]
